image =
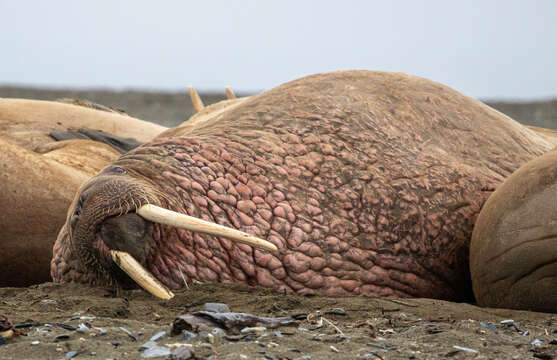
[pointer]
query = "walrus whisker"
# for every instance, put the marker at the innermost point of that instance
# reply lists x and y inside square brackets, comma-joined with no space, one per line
[141,276]
[196,100]
[172,218]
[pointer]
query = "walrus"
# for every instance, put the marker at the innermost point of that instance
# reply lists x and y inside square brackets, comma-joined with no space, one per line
[512,261]
[348,183]
[40,176]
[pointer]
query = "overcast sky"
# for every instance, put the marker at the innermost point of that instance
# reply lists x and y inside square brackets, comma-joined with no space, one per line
[487,49]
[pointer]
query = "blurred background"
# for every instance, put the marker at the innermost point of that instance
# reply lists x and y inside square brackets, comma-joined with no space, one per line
[141,56]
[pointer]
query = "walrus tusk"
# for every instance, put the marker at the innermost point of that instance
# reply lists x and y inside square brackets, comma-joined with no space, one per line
[196,100]
[230,94]
[141,276]
[163,216]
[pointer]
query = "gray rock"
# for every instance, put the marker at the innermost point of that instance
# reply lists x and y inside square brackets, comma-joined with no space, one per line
[217,307]
[158,336]
[149,344]
[155,351]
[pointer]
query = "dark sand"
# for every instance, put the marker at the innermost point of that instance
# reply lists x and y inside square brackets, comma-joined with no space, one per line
[356,327]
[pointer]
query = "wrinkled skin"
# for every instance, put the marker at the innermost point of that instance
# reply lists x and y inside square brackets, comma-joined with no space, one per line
[513,261]
[367,182]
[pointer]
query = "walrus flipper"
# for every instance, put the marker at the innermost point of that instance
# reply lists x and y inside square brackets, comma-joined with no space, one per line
[120,144]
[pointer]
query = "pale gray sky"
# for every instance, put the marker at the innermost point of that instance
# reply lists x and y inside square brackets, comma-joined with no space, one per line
[484,48]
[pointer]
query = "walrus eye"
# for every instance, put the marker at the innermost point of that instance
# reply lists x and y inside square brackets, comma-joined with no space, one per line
[112,169]
[79,206]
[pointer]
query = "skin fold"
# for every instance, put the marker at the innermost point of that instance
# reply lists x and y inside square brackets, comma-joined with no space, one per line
[369,183]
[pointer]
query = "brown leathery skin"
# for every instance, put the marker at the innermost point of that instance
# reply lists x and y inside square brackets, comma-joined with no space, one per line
[368,183]
[36,190]
[513,261]
[39,177]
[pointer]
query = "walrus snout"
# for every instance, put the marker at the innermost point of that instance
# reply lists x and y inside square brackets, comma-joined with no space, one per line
[129,233]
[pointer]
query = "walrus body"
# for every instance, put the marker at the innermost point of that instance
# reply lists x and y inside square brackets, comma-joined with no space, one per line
[512,258]
[367,182]
[39,177]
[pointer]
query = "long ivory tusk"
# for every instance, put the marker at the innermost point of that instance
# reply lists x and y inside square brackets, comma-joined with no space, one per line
[196,100]
[141,276]
[163,216]
[230,94]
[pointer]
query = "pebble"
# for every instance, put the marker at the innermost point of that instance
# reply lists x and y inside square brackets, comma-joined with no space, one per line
[188,335]
[64,326]
[155,351]
[257,330]
[182,353]
[218,332]
[149,344]
[36,342]
[82,328]
[42,331]
[71,354]
[278,334]
[129,333]
[465,349]
[536,342]
[158,336]
[62,337]
[217,307]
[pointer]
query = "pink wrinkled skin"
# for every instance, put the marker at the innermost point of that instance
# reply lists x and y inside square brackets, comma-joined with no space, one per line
[368,183]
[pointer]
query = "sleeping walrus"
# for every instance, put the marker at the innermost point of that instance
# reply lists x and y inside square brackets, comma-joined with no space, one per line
[360,182]
[40,176]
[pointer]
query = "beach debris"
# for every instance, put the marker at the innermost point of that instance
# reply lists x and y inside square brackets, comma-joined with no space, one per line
[232,322]
[36,342]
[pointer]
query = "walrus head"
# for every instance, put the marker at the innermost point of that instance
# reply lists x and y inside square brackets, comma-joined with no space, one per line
[112,230]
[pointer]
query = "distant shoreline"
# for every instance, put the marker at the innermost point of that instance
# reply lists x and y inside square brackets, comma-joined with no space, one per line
[170,108]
